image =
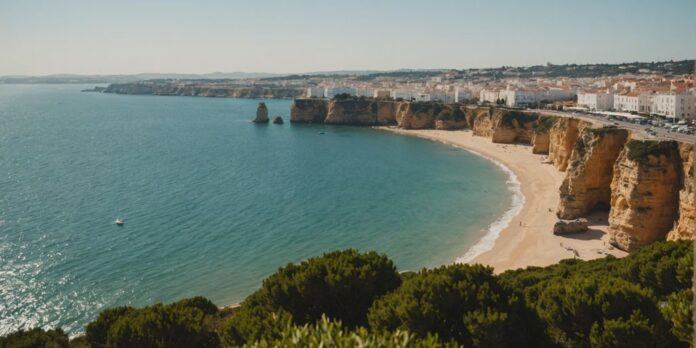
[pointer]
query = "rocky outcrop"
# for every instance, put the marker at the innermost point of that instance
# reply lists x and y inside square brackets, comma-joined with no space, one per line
[562,227]
[587,184]
[278,120]
[308,110]
[261,113]
[644,193]
[362,111]
[685,226]
[513,127]
[483,122]
[540,138]
[562,137]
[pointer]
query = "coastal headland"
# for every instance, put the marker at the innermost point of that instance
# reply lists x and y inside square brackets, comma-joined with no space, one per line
[631,191]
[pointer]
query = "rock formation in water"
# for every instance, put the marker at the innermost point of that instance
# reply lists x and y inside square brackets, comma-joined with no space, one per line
[278,120]
[685,226]
[261,113]
[562,137]
[590,171]
[644,193]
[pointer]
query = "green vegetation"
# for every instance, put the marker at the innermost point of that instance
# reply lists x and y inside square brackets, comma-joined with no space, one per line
[544,124]
[347,298]
[516,118]
[639,150]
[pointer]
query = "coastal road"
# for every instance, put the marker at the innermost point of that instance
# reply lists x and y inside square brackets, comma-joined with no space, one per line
[638,129]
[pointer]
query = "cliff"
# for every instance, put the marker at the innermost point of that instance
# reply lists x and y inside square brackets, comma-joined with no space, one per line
[562,137]
[644,193]
[685,226]
[513,127]
[376,112]
[590,171]
[203,89]
[306,110]
[541,138]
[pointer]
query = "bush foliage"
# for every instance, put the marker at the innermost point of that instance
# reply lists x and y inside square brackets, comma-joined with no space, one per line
[347,298]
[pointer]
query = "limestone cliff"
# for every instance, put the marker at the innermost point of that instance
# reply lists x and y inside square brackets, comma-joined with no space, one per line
[362,111]
[685,226]
[308,110]
[590,171]
[513,127]
[562,137]
[424,115]
[483,122]
[644,193]
[540,138]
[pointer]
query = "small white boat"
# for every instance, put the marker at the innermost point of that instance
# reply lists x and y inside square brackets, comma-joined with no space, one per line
[119,222]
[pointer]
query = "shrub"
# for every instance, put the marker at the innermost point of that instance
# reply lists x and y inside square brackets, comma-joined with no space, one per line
[459,302]
[187,323]
[678,311]
[326,333]
[35,338]
[341,285]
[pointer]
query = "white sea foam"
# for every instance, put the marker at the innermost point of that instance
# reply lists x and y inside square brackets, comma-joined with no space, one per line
[488,240]
[494,229]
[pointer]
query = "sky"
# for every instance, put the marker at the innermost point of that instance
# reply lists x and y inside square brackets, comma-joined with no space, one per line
[295,36]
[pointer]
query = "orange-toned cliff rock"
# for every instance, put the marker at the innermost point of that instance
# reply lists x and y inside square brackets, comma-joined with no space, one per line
[541,138]
[308,110]
[562,136]
[513,127]
[587,184]
[361,111]
[645,193]
[685,226]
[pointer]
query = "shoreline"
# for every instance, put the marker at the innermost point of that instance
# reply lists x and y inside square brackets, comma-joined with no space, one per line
[523,235]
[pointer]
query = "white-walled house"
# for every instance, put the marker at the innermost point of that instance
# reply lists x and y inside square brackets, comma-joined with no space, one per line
[645,103]
[596,101]
[627,102]
[334,91]
[489,95]
[677,106]
[444,97]
[461,95]
[315,92]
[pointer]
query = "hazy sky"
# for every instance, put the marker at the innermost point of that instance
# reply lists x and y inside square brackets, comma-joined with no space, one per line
[107,37]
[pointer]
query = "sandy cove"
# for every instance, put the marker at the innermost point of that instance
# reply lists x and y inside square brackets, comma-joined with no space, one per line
[528,239]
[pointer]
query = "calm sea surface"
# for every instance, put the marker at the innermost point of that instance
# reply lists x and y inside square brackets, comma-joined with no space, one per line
[212,203]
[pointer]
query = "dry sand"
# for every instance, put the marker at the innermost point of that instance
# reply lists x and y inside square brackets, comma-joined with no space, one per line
[528,239]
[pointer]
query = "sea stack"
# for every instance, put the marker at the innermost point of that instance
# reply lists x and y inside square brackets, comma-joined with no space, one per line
[261,113]
[278,120]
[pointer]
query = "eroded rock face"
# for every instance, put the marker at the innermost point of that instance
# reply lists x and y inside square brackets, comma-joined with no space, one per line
[562,136]
[685,226]
[590,171]
[540,143]
[308,110]
[513,127]
[278,120]
[361,111]
[644,197]
[562,227]
[261,113]
[483,122]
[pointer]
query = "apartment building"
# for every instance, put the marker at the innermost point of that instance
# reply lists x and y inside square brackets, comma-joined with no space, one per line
[672,105]
[596,100]
[315,92]
[629,102]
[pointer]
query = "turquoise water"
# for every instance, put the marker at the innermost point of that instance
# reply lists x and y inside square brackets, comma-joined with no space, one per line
[212,203]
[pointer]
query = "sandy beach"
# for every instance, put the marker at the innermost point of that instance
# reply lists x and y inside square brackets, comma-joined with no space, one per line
[528,239]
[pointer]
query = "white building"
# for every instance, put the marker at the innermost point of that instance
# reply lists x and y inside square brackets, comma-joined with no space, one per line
[461,95]
[409,94]
[678,106]
[524,97]
[645,103]
[315,92]
[364,92]
[596,101]
[444,97]
[334,91]
[629,102]
[489,95]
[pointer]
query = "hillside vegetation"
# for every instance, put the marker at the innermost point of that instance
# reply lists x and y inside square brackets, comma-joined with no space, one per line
[351,299]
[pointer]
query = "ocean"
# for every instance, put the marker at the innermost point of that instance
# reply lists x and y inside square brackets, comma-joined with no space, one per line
[212,203]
